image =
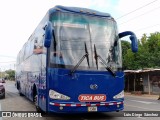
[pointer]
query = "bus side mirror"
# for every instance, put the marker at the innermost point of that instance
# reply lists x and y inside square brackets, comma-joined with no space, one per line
[133,38]
[134,43]
[48,34]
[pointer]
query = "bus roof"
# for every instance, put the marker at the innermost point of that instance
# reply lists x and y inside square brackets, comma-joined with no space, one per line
[79,10]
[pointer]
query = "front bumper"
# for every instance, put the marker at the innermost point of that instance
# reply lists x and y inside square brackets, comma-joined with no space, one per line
[83,107]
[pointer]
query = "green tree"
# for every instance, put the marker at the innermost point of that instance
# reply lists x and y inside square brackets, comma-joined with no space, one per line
[130,59]
[148,54]
[11,74]
[125,47]
[154,49]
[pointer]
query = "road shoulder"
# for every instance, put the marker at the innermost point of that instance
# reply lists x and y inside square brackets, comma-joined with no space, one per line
[154,97]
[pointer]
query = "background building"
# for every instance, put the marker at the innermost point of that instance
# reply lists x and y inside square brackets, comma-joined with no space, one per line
[142,81]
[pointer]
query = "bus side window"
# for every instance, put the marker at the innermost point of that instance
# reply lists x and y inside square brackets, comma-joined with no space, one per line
[38,48]
[27,48]
[22,54]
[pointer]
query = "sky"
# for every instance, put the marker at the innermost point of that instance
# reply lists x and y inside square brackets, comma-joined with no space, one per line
[19,18]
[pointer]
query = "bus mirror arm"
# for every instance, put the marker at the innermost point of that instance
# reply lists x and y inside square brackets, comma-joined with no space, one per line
[48,34]
[133,38]
[44,27]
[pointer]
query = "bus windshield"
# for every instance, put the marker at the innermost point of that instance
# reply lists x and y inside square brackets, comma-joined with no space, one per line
[73,31]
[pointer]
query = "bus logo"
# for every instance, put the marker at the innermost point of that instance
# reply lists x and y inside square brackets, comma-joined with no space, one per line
[94,86]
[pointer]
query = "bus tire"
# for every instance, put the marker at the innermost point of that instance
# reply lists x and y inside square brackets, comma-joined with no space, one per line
[17,85]
[35,99]
[21,94]
[20,90]
[36,103]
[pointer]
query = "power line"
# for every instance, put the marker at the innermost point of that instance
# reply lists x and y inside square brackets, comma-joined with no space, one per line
[147,27]
[136,9]
[140,15]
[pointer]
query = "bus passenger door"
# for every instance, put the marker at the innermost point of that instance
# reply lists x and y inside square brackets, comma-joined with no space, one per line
[42,84]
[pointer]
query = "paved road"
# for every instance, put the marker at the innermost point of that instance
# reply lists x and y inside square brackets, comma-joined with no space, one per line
[13,102]
[133,103]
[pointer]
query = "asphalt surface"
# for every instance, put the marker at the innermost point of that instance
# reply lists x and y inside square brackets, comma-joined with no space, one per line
[134,105]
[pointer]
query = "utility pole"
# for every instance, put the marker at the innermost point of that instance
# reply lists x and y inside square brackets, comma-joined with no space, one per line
[149,85]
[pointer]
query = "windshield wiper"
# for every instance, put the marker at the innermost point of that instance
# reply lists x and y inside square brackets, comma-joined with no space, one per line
[96,56]
[104,63]
[80,61]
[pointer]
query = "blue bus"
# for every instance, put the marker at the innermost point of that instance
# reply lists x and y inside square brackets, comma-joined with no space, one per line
[72,63]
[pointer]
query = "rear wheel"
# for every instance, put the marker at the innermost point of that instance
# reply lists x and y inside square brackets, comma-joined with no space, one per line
[20,94]
[19,89]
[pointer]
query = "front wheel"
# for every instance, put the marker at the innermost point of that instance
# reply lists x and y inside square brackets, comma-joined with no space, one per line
[38,109]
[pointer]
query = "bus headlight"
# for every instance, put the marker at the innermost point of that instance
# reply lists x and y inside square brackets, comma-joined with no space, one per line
[55,95]
[119,95]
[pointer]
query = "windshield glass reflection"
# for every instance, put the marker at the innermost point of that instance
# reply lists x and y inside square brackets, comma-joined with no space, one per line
[73,32]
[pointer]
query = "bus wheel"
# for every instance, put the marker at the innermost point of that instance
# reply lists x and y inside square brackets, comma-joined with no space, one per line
[20,90]
[36,103]
[20,94]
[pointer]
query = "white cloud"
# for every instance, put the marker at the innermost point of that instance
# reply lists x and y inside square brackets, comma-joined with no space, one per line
[107,6]
[76,3]
[101,3]
[140,20]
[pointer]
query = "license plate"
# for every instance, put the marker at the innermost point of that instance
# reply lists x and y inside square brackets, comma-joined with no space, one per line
[92,109]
